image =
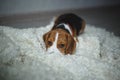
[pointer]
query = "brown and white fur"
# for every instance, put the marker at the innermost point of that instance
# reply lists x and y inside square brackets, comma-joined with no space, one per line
[63,35]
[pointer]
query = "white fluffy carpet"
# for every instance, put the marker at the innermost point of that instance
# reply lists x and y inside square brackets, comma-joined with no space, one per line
[23,56]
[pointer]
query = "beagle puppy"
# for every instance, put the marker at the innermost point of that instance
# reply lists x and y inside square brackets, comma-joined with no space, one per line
[63,35]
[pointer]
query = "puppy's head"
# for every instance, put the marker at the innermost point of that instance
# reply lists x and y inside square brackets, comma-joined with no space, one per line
[60,41]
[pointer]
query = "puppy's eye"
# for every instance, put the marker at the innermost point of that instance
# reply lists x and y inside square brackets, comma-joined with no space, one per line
[61,45]
[49,43]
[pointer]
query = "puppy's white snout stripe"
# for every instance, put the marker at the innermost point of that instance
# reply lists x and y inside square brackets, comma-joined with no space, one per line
[54,48]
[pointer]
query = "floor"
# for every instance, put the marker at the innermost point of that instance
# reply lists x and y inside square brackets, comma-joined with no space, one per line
[104,17]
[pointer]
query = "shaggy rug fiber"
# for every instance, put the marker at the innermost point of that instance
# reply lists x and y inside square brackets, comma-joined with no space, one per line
[23,56]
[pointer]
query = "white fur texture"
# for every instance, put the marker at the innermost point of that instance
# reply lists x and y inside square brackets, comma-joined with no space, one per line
[23,56]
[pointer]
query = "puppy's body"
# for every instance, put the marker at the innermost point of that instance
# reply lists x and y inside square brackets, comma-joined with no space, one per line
[75,23]
[63,35]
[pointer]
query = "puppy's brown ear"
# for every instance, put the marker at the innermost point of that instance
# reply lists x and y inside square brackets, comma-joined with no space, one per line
[71,45]
[45,37]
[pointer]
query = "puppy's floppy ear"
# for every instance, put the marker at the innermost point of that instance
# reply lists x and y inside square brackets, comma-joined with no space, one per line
[45,37]
[71,45]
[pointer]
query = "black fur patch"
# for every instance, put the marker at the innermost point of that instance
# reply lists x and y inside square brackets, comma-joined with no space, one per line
[62,27]
[73,20]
